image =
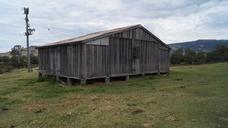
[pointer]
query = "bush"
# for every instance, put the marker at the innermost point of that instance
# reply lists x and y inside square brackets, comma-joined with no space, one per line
[5,68]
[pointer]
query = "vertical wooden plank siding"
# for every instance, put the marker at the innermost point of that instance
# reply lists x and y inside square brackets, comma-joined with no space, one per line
[97,55]
[125,53]
[84,62]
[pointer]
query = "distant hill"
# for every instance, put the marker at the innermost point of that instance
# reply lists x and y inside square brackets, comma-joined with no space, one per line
[199,45]
[33,51]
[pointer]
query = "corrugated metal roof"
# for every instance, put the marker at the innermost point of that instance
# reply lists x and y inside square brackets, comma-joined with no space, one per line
[89,36]
[96,35]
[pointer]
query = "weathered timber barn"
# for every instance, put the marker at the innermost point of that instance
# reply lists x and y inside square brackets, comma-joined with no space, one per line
[126,51]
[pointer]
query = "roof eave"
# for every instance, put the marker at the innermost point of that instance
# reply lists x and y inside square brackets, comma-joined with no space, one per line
[68,43]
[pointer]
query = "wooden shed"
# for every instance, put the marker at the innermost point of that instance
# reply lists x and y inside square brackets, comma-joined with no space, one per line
[119,52]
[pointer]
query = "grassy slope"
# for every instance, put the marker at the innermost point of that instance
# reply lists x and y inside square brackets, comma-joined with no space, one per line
[191,96]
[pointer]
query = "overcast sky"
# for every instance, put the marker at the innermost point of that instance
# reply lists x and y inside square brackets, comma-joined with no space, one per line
[171,20]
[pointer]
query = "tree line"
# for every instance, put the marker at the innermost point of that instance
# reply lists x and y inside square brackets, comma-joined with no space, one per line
[16,60]
[189,56]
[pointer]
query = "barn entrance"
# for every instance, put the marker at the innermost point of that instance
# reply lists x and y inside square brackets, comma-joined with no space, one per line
[136,60]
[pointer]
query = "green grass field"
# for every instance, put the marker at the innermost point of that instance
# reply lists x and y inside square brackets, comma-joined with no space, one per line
[189,97]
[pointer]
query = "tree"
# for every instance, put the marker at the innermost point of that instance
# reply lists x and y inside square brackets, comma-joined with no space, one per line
[5,60]
[222,52]
[177,56]
[189,56]
[201,57]
[5,64]
[34,59]
[16,52]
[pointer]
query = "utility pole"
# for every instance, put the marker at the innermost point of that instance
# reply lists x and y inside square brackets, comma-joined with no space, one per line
[28,32]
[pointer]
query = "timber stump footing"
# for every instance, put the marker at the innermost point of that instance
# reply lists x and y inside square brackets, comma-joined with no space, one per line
[69,81]
[127,77]
[57,78]
[107,80]
[83,81]
[40,75]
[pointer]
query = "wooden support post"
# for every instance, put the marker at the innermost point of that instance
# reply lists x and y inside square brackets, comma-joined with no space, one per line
[69,82]
[40,75]
[108,59]
[169,61]
[107,80]
[57,78]
[127,77]
[159,52]
[159,72]
[83,81]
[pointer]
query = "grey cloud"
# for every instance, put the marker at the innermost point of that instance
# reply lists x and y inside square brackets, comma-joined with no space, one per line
[172,21]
